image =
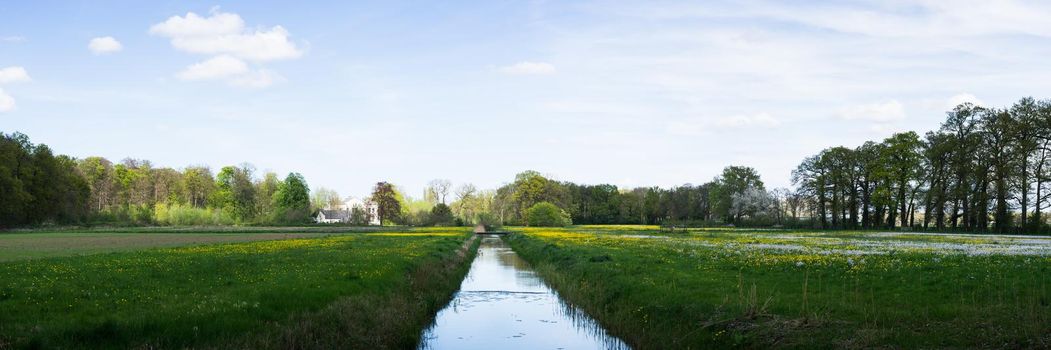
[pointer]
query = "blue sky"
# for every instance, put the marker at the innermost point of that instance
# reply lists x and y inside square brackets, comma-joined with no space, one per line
[630,93]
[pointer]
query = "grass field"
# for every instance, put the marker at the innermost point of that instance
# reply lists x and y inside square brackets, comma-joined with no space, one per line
[41,243]
[366,290]
[785,289]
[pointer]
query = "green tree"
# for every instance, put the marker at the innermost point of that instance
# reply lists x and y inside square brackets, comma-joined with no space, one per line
[546,214]
[386,199]
[733,180]
[441,215]
[198,184]
[902,156]
[291,201]
[234,192]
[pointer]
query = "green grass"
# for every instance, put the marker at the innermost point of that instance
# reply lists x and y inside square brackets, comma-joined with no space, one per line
[376,290]
[19,246]
[30,244]
[763,289]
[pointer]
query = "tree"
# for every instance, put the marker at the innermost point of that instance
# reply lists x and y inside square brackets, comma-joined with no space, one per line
[38,187]
[546,214]
[291,201]
[265,190]
[902,156]
[389,207]
[734,180]
[199,185]
[468,203]
[325,198]
[753,203]
[98,172]
[234,192]
[528,189]
[438,190]
[999,139]
[441,215]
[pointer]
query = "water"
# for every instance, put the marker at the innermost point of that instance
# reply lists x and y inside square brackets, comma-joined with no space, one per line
[503,304]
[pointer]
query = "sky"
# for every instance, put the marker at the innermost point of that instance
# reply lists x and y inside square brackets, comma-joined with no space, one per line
[632,93]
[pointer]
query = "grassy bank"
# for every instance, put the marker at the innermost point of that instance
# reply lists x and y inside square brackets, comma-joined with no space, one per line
[766,289]
[365,291]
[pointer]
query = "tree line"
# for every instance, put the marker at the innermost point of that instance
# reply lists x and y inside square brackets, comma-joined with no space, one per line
[38,187]
[724,199]
[984,169]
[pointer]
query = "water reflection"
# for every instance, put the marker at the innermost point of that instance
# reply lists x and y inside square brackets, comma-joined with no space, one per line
[503,304]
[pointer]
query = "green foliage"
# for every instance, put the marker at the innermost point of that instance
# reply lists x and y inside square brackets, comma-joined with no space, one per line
[387,201]
[37,187]
[733,181]
[291,202]
[185,215]
[545,214]
[235,193]
[441,215]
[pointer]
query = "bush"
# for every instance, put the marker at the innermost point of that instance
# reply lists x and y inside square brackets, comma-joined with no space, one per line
[184,215]
[290,216]
[441,215]
[545,214]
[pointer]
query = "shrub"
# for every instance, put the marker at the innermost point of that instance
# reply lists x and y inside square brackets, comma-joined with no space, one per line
[184,215]
[441,215]
[545,214]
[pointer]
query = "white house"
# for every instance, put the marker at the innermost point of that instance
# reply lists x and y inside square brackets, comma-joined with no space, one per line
[343,212]
[326,216]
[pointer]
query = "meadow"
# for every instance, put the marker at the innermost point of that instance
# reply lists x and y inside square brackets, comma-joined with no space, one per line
[800,289]
[271,290]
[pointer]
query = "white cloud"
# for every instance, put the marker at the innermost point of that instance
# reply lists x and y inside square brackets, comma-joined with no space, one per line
[7,103]
[528,68]
[233,71]
[104,45]
[218,67]
[959,99]
[13,39]
[13,75]
[225,37]
[883,112]
[225,33]
[193,25]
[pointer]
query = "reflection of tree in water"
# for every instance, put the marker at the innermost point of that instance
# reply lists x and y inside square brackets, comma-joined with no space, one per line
[584,322]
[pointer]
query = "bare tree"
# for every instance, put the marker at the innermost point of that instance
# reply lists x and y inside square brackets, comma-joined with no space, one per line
[439,189]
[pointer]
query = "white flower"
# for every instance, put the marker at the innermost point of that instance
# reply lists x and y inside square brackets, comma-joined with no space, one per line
[799,264]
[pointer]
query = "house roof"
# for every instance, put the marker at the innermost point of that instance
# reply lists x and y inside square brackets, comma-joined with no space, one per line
[336,214]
